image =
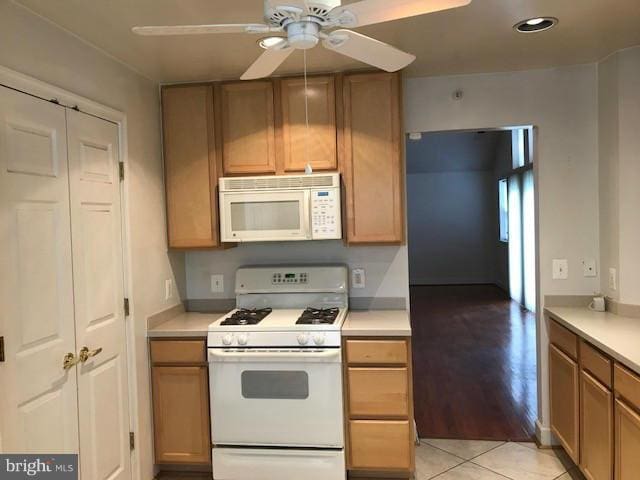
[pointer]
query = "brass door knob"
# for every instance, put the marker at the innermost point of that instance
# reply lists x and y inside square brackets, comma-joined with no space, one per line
[85,354]
[69,360]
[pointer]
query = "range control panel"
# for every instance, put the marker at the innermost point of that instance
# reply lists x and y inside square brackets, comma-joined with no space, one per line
[325,214]
[299,278]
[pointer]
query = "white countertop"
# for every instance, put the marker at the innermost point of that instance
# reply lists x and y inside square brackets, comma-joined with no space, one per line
[374,323]
[615,335]
[185,325]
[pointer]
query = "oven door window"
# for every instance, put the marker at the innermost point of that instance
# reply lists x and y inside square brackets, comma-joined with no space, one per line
[277,384]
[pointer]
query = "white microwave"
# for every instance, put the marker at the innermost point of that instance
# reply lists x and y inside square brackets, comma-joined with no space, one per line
[280,208]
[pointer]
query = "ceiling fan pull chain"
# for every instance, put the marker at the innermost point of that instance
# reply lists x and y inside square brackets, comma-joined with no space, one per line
[306,115]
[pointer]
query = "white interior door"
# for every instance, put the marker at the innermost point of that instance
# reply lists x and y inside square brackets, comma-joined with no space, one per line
[38,398]
[99,293]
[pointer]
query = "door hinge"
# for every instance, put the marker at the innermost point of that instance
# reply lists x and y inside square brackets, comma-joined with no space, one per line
[121,164]
[1,349]
[132,440]
[126,307]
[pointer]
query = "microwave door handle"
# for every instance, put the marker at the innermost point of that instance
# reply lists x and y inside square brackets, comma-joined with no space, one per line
[308,227]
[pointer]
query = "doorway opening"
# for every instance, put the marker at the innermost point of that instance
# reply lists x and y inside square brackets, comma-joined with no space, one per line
[472,271]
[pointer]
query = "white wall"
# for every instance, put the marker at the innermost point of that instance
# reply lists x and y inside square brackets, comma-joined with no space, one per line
[562,104]
[386,267]
[35,47]
[452,230]
[619,118]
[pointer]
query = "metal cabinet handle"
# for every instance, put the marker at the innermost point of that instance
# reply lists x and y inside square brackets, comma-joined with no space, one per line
[69,361]
[85,354]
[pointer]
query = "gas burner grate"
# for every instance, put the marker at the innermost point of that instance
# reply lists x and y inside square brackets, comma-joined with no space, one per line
[318,316]
[246,316]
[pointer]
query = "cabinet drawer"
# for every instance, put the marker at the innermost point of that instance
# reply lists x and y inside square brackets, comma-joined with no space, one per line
[377,352]
[627,385]
[596,363]
[378,392]
[380,445]
[563,339]
[178,351]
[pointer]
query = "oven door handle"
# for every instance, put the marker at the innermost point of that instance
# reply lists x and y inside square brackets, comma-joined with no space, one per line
[332,355]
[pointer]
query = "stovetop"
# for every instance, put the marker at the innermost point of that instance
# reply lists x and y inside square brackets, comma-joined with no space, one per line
[318,316]
[245,316]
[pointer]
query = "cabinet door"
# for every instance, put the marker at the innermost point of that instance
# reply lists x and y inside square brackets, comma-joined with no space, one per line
[190,166]
[316,144]
[563,391]
[380,445]
[181,415]
[627,442]
[248,138]
[596,429]
[373,168]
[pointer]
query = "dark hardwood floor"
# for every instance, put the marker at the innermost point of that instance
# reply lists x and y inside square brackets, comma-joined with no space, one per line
[474,364]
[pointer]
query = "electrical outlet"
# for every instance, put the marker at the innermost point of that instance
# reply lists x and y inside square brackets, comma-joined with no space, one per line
[560,269]
[358,278]
[217,283]
[168,289]
[613,279]
[589,268]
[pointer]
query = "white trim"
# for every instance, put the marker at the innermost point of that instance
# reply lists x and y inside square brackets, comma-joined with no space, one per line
[40,89]
[545,436]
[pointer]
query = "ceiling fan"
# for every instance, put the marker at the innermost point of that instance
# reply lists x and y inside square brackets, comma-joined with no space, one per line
[306,22]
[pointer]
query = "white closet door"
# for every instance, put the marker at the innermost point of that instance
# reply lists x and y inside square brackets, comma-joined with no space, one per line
[38,398]
[99,293]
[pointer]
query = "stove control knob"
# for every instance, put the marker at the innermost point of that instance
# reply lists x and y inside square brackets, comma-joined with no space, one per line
[243,339]
[318,339]
[303,338]
[227,339]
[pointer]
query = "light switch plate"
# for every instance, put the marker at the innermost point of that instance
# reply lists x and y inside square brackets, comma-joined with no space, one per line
[589,268]
[217,283]
[358,278]
[613,279]
[560,269]
[168,289]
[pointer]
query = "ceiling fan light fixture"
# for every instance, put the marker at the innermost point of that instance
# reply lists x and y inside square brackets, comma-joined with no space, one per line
[536,24]
[270,42]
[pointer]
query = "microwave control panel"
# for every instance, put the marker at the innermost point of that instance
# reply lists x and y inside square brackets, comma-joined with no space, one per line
[326,221]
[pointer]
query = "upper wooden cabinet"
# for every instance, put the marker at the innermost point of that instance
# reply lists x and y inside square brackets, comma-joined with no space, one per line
[190,166]
[372,165]
[248,134]
[316,144]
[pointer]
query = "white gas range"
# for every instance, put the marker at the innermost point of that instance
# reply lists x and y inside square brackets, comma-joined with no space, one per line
[276,376]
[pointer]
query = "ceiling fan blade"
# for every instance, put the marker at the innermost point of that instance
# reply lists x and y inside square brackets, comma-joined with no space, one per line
[368,12]
[201,29]
[368,50]
[267,63]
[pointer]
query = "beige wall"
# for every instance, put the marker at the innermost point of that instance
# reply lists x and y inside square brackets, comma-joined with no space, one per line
[37,48]
[562,104]
[619,118]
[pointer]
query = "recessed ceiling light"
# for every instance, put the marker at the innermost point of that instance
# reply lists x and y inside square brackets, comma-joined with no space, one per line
[269,42]
[537,24]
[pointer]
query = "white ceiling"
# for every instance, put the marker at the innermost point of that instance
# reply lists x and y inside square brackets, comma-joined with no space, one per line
[477,38]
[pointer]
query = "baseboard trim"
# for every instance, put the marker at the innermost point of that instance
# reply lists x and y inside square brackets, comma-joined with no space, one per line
[545,436]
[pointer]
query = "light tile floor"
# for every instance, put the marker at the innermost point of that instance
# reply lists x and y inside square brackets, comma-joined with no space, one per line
[482,460]
[475,460]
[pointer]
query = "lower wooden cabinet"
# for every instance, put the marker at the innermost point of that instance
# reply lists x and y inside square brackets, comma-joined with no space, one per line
[564,395]
[380,445]
[627,441]
[379,406]
[596,429]
[180,402]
